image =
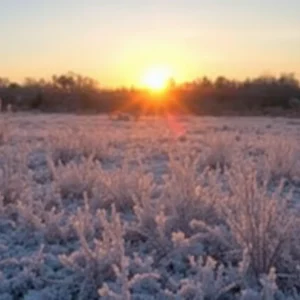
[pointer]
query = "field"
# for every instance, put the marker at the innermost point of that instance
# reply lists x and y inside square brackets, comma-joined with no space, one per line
[175,208]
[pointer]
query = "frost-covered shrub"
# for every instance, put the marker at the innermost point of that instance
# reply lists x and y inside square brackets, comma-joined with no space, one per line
[156,235]
[208,280]
[63,148]
[188,195]
[282,158]
[221,150]
[95,263]
[74,144]
[216,239]
[41,213]
[15,180]
[50,223]
[74,179]
[261,222]
[18,276]
[122,187]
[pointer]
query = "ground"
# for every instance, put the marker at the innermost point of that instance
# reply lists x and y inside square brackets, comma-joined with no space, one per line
[161,208]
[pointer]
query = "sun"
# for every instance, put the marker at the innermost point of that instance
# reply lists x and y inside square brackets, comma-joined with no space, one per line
[156,78]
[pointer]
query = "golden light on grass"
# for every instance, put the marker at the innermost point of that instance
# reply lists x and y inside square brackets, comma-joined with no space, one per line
[156,78]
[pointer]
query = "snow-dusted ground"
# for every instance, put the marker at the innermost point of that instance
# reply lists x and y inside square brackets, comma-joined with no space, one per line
[176,208]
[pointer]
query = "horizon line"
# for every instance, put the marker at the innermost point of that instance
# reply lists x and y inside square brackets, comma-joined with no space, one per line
[262,74]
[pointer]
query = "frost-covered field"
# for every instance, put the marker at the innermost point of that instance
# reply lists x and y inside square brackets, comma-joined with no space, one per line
[194,208]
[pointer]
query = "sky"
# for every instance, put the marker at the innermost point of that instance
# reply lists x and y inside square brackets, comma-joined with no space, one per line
[116,41]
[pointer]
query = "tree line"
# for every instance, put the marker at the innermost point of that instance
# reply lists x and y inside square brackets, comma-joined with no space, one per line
[72,92]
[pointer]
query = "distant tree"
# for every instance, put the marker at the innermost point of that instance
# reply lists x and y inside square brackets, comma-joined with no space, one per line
[37,101]
[13,85]
[65,82]
[75,92]
[4,82]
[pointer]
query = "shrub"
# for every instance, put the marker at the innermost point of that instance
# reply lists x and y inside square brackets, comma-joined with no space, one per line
[261,222]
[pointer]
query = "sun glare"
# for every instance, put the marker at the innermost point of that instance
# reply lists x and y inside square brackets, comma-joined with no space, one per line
[156,78]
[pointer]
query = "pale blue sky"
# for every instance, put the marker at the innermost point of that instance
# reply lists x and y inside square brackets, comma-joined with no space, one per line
[117,40]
